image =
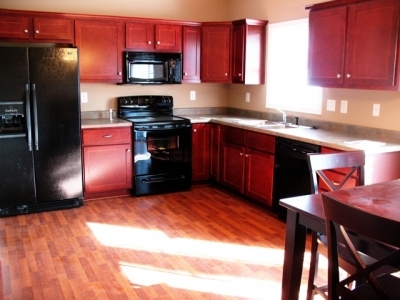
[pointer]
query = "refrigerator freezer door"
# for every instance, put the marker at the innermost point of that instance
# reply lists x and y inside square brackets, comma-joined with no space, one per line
[17,185]
[54,85]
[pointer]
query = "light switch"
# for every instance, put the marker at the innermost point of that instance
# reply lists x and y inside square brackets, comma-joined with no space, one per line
[192,95]
[343,106]
[247,97]
[375,110]
[330,105]
[84,97]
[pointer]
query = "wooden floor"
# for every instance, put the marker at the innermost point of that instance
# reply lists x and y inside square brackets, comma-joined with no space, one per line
[200,244]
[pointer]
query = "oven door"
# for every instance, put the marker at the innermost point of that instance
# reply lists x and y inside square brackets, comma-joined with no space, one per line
[162,160]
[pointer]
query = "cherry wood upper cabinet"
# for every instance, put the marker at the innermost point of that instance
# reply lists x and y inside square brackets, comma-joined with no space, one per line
[17,26]
[100,45]
[191,45]
[248,51]
[215,52]
[153,37]
[355,45]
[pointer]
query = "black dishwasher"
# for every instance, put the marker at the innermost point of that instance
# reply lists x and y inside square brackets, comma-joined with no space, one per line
[292,176]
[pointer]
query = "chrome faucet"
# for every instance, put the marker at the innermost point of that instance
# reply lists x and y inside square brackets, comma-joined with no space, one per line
[283,115]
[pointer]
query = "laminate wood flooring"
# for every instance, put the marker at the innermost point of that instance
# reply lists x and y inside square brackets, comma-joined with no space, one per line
[199,244]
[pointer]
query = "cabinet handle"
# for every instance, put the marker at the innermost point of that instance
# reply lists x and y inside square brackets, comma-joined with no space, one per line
[26,31]
[158,42]
[149,42]
[226,74]
[194,130]
[348,76]
[36,31]
[119,73]
[247,155]
[128,150]
[107,136]
[241,154]
[338,76]
[184,73]
[239,74]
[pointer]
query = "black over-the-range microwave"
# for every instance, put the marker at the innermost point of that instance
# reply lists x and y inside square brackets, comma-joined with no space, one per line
[153,68]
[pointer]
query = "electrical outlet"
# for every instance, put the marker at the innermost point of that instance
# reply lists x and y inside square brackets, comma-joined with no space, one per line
[343,106]
[247,97]
[192,95]
[375,110]
[330,105]
[84,97]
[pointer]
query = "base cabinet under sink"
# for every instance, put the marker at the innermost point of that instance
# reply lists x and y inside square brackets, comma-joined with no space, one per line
[248,163]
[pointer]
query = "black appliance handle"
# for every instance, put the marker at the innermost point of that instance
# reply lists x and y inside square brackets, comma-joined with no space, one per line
[35,118]
[28,116]
[162,129]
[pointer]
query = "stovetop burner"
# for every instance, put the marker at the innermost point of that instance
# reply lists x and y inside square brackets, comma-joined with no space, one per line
[149,110]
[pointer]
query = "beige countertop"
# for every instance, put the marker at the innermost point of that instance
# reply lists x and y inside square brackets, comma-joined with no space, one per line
[99,123]
[331,139]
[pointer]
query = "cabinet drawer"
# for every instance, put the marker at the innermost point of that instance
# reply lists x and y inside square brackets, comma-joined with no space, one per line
[261,142]
[235,136]
[106,136]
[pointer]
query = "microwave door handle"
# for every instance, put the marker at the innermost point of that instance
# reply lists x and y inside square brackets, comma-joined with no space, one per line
[28,117]
[35,118]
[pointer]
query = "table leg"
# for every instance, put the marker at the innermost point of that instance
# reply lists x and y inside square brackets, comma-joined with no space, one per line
[294,255]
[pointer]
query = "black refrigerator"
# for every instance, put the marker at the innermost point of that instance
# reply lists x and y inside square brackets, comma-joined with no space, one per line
[40,136]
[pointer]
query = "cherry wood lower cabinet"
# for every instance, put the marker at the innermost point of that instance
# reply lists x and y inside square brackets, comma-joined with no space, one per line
[215,154]
[248,163]
[200,151]
[107,160]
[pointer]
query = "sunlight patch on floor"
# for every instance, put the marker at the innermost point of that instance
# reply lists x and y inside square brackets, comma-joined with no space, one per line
[157,241]
[216,284]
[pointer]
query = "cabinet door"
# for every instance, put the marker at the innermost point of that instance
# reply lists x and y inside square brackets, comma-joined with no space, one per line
[139,36]
[14,27]
[191,53]
[260,175]
[53,29]
[100,50]
[327,46]
[373,31]
[215,54]
[168,37]
[215,156]
[200,152]
[107,168]
[238,53]
[233,166]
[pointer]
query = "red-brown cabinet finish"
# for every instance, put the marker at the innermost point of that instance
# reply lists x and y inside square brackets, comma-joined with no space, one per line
[107,160]
[215,52]
[100,44]
[28,28]
[248,163]
[200,151]
[151,37]
[215,155]
[248,51]
[191,45]
[355,45]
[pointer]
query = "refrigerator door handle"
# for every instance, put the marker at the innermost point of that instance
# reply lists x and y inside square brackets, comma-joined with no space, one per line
[35,118]
[28,116]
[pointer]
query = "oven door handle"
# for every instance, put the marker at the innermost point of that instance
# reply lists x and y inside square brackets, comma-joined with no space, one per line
[160,129]
[163,178]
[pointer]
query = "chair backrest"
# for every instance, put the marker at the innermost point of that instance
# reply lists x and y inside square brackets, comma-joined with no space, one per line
[342,218]
[348,162]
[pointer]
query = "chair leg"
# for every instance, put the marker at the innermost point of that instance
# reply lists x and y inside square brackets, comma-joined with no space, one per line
[313,266]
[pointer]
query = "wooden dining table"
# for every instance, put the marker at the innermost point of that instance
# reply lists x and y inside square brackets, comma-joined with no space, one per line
[307,212]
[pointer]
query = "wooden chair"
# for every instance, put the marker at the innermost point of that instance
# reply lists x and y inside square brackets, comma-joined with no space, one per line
[349,163]
[341,217]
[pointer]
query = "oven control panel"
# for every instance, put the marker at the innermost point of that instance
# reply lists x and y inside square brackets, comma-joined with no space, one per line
[145,101]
